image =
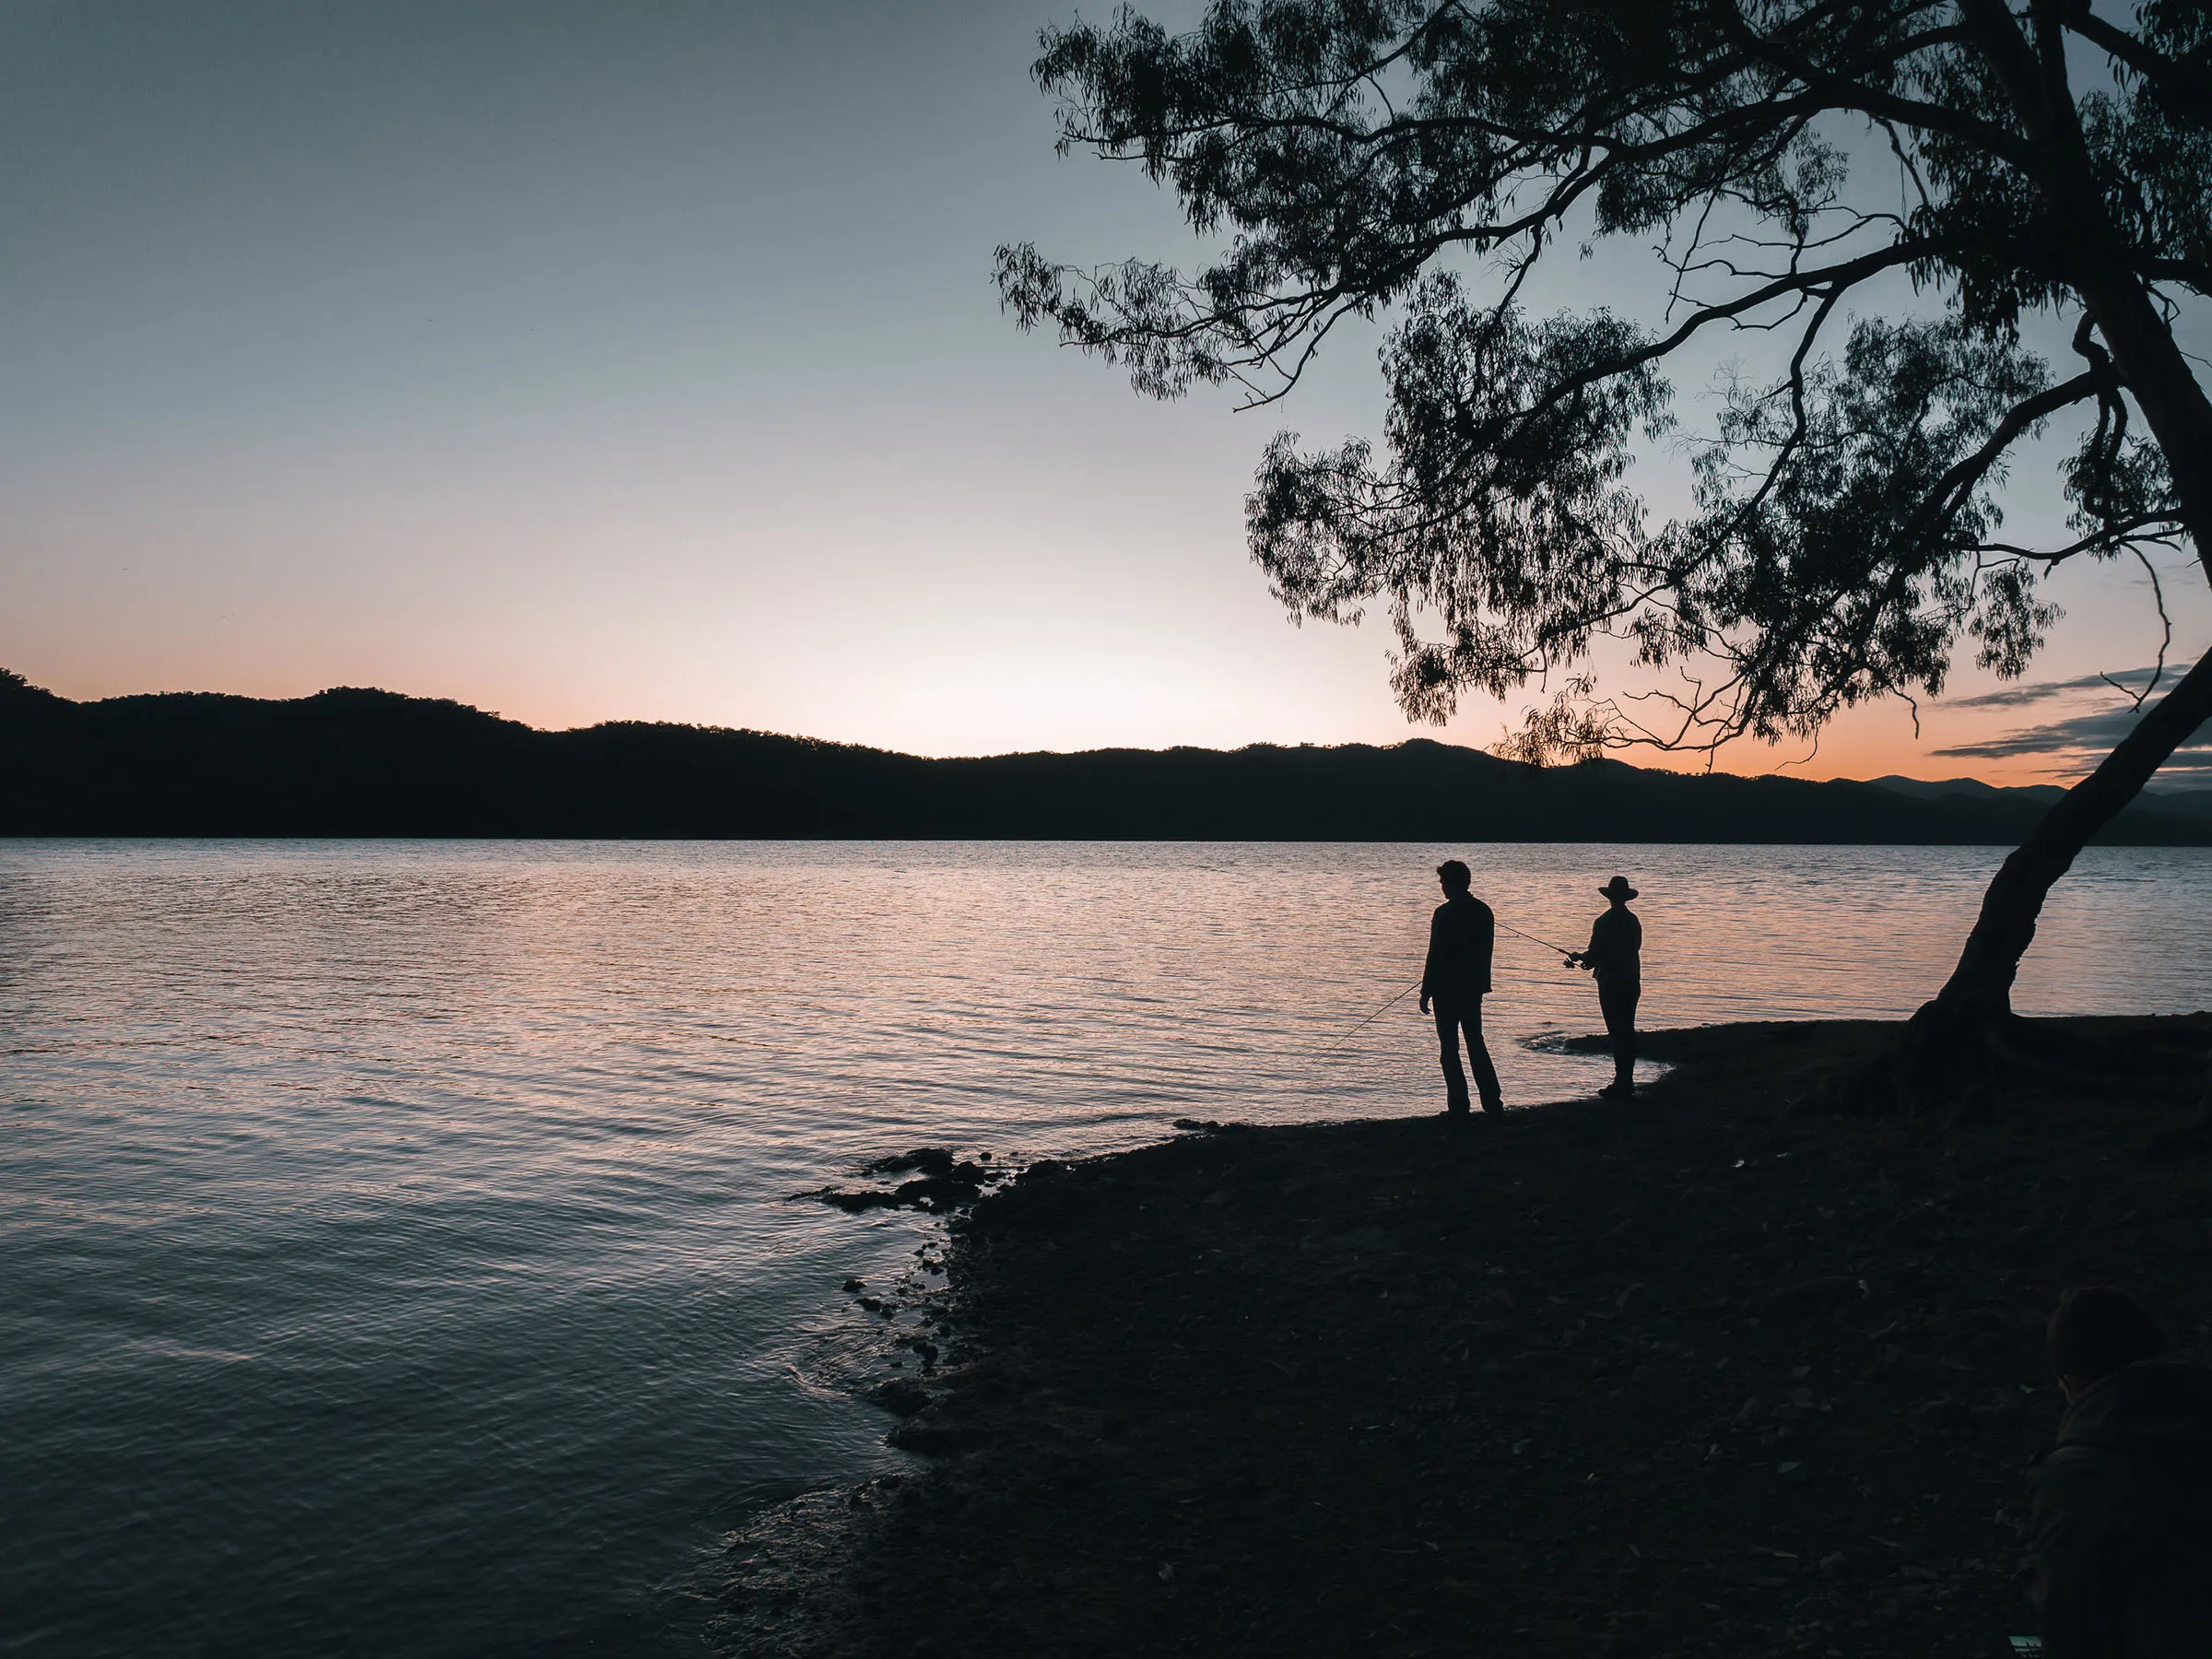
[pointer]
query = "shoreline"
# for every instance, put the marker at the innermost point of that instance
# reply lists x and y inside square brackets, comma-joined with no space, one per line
[1694,1373]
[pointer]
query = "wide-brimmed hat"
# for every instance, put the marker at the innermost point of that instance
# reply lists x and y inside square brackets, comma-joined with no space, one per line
[1617,887]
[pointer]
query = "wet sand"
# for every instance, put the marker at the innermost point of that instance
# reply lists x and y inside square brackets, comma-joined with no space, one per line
[1704,1372]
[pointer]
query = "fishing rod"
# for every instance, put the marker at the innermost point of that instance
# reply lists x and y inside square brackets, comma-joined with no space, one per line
[1534,940]
[1401,996]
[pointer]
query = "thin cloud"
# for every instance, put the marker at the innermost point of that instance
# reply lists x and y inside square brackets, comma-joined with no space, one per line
[2014,696]
[2077,743]
[2072,744]
[2098,731]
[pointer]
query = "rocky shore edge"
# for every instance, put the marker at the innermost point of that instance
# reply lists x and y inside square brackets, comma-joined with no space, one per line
[1701,1373]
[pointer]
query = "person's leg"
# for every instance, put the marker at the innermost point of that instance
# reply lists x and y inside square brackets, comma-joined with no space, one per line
[1447,1037]
[1619,1004]
[1479,1054]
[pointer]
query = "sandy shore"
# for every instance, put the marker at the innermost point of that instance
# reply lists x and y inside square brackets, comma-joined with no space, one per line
[1696,1374]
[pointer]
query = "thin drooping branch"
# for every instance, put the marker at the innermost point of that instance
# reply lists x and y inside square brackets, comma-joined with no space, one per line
[1954,486]
[2183,85]
[1841,92]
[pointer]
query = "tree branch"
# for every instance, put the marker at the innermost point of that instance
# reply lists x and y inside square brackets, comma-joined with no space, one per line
[1842,93]
[2183,85]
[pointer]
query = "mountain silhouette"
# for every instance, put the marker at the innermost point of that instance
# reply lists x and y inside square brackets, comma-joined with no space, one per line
[362,762]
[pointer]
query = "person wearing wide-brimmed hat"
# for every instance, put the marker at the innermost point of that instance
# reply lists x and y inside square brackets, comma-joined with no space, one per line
[1615,954]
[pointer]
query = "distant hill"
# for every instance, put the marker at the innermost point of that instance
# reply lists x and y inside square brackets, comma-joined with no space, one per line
[351,762]
[2188,802]
[1922,789]
[2185,803]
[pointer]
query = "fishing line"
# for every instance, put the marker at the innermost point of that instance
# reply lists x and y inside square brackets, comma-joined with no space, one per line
[1402,995]
[1371,1019]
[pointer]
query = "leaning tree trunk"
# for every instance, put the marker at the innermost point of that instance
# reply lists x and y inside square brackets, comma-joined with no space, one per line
[1980,988]
[1966,1037]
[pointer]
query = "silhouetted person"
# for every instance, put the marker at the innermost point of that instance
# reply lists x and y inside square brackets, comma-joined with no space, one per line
[1615,954]
[1455,979]
[2123,1501]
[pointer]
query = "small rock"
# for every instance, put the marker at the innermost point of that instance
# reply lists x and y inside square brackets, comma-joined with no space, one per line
[900,1396]
[928,1161]
[930,1439]
[854,1203]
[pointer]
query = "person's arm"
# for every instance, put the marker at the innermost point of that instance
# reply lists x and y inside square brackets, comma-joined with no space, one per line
[1428,967]
[1486,945]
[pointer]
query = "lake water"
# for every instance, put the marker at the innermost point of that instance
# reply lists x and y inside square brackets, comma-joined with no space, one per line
[393,1247]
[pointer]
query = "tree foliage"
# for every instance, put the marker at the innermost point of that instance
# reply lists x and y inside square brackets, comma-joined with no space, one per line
[1420,162]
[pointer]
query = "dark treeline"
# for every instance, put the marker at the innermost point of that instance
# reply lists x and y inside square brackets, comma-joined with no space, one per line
[374,763]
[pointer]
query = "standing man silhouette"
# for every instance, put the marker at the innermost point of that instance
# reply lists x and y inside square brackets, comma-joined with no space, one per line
[1615,954]
[1455,979]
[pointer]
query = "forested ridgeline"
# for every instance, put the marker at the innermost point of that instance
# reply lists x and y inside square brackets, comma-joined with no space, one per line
[369,762]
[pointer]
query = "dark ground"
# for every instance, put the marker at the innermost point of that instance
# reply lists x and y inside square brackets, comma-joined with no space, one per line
[1696,1374]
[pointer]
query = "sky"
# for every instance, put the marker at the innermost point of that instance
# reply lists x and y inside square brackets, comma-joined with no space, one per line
[639,359]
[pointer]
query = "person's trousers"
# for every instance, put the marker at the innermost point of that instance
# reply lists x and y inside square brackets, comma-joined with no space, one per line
[1451,1020]
[1617,1003]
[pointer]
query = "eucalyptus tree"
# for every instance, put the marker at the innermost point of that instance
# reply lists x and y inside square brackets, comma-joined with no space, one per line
[1885,192]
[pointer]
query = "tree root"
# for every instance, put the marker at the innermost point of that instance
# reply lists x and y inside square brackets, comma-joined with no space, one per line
[1975,1065]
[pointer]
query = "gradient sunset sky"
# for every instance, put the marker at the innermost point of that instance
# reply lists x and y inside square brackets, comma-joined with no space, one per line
[640,360]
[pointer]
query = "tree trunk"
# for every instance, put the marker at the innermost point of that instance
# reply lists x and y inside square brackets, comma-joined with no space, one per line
[1981,985]
[1962,1039]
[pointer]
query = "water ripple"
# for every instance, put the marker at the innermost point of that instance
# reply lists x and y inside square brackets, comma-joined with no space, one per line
[395,1249]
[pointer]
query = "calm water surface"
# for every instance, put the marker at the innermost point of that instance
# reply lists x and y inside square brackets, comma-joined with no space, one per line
[392,1244]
